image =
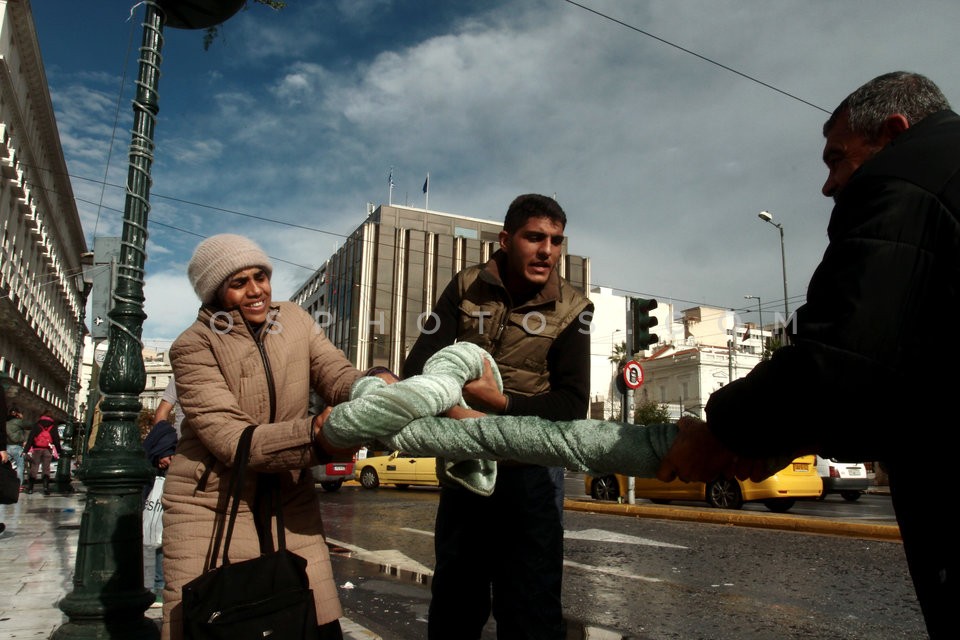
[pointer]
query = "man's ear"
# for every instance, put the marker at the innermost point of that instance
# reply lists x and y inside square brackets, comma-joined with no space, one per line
[504,238]
[893,126]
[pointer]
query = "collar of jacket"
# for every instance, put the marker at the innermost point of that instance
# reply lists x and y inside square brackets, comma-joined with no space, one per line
[550,292]
[917,130]
[890,161]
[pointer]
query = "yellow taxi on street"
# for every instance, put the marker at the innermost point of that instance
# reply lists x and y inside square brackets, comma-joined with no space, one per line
[779,492]
[397,468]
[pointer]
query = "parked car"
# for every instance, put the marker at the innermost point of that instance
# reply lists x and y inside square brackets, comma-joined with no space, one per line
[397,468]
[332,475]
[849,479]
[778,493]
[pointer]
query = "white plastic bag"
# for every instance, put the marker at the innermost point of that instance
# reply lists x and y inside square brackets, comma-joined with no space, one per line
[153,515]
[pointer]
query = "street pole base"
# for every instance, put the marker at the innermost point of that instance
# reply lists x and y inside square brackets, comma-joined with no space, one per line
[116,617]
[145,629]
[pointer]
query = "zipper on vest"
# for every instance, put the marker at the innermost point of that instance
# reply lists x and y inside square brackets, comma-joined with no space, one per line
[504,317]
[499,332]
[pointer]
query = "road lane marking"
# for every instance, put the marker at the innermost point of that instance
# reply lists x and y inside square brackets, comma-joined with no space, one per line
[599,535]
[610,571]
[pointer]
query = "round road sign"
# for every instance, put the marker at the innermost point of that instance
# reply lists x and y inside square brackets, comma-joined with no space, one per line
[633,374]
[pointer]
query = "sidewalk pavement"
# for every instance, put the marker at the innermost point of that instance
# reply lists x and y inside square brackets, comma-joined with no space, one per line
[38,551]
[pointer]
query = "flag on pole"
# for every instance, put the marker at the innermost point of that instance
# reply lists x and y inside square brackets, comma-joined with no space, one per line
[426,184]
[390,177]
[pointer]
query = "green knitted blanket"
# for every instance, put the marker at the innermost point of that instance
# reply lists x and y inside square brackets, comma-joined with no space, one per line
[404,416]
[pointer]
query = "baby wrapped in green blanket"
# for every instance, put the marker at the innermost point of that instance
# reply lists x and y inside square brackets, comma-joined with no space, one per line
[404,416]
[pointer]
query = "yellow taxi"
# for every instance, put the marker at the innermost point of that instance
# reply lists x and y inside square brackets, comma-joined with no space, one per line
[779,492]
[397,468]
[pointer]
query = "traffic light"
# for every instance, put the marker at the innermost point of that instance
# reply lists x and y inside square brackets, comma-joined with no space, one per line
[642,321]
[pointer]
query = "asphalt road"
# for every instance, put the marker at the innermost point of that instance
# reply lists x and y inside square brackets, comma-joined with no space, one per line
[634,575]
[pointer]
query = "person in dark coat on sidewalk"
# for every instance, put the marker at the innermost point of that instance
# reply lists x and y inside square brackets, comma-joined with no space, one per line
[160,446]
[861,361]
[3,437]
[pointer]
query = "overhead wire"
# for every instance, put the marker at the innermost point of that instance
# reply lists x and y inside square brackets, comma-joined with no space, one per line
[697,55]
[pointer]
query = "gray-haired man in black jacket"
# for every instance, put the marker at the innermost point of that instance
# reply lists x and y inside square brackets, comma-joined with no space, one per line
[862,358]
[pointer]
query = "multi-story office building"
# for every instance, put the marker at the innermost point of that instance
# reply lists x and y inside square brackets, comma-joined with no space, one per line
[373,295]
[41,240]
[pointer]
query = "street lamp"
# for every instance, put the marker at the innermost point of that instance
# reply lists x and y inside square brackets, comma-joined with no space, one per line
[766,216]
[84,282]
[759,320]
[109,598]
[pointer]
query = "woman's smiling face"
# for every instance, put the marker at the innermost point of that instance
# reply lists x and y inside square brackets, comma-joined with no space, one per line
[249,291]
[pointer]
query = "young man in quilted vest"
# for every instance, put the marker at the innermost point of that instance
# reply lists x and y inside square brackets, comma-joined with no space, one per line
[536,326]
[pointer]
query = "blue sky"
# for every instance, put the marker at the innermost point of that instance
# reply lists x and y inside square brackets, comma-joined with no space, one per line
[289,125]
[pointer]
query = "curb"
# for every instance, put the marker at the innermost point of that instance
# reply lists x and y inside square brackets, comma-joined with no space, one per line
[884,532]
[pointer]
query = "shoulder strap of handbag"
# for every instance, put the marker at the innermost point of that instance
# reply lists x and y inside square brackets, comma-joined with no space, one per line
[235,491]
[267,507]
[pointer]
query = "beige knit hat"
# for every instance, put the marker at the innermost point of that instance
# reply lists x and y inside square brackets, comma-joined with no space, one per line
[219,257]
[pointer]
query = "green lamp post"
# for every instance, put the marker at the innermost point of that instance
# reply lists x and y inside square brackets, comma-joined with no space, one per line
[108,598]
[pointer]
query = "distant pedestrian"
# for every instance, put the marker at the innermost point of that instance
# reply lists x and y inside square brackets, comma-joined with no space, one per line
[43,447]
[3,437]
[160,446]
[169,408]
[16,432]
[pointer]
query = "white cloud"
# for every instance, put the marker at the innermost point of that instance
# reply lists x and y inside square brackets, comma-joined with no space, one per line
[171,305]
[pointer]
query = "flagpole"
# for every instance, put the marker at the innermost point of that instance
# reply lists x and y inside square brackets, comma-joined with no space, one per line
[426,192]
[390,195]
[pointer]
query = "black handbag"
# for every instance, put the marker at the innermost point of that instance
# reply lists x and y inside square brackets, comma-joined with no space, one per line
[266,597]
[9,484]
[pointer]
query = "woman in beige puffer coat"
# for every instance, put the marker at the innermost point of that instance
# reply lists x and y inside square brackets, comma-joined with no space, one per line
[246,361]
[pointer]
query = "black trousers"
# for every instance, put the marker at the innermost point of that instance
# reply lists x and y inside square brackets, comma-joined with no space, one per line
[502,553]
[928,542]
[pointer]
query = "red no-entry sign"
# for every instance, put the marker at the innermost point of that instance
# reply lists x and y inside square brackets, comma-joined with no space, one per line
[633,374]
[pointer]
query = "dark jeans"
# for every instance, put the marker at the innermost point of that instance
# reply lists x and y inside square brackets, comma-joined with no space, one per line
[928,541]
[508,545]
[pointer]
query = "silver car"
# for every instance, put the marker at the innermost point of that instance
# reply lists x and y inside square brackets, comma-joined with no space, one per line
[849,479]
